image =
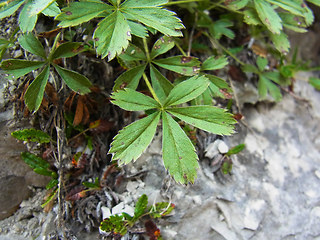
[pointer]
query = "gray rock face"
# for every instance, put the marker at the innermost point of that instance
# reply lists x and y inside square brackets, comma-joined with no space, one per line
[13,190]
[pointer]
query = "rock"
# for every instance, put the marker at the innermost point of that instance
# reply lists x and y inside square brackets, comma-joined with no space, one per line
[216,147]
[13,190]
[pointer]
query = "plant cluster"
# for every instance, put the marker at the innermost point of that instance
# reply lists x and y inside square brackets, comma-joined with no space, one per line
[120,224]
[177,89]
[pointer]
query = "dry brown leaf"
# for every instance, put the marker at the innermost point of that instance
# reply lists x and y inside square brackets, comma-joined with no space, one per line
[52,93]
[78,117]
[260,51]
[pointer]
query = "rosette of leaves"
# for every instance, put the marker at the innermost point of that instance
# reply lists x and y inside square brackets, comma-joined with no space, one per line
[121,19]
[269,81]
[34,94]
[138,61]
[28,15]
[178,152]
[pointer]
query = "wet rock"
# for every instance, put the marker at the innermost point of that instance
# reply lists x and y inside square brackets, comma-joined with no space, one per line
[13,190]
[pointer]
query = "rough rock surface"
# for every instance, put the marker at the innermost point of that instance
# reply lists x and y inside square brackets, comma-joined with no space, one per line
[271,193]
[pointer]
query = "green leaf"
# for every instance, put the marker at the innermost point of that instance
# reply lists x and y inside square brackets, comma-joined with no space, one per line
[38,6]
[138,29]
[131,141]
[130,78]
[115,224]
[208,118]
[236,149]
[161,209]
[293,22]
[213,63]
[43,171]
[20,68]
[296,8]
[50,198]
[250,68]
[31,135]
[281,42]
[52,10]
[34,161]
[220,27]
[27,22]
[160,84]
[152,15]
[268,16]
[187,90]
[10,8]
[133,53]
[178,152]
[251,17]
[112,35]
[80,12]
[315,82]
[95,184]
[66,50]
[262,63]
[161,46]
[265,85]
[34,94]
[237,4]
[141,206]
[132,100]
[187,66]
[74,80]
[53,183]
[226,167]
[218,86]
[31,44]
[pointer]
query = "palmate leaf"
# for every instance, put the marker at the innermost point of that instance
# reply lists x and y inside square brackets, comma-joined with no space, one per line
[112,35]
[131,141]
[131,100]
[178,152]
[208,118]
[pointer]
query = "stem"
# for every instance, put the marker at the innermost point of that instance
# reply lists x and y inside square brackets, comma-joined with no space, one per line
[146,49]
[150,88]
[180,48]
